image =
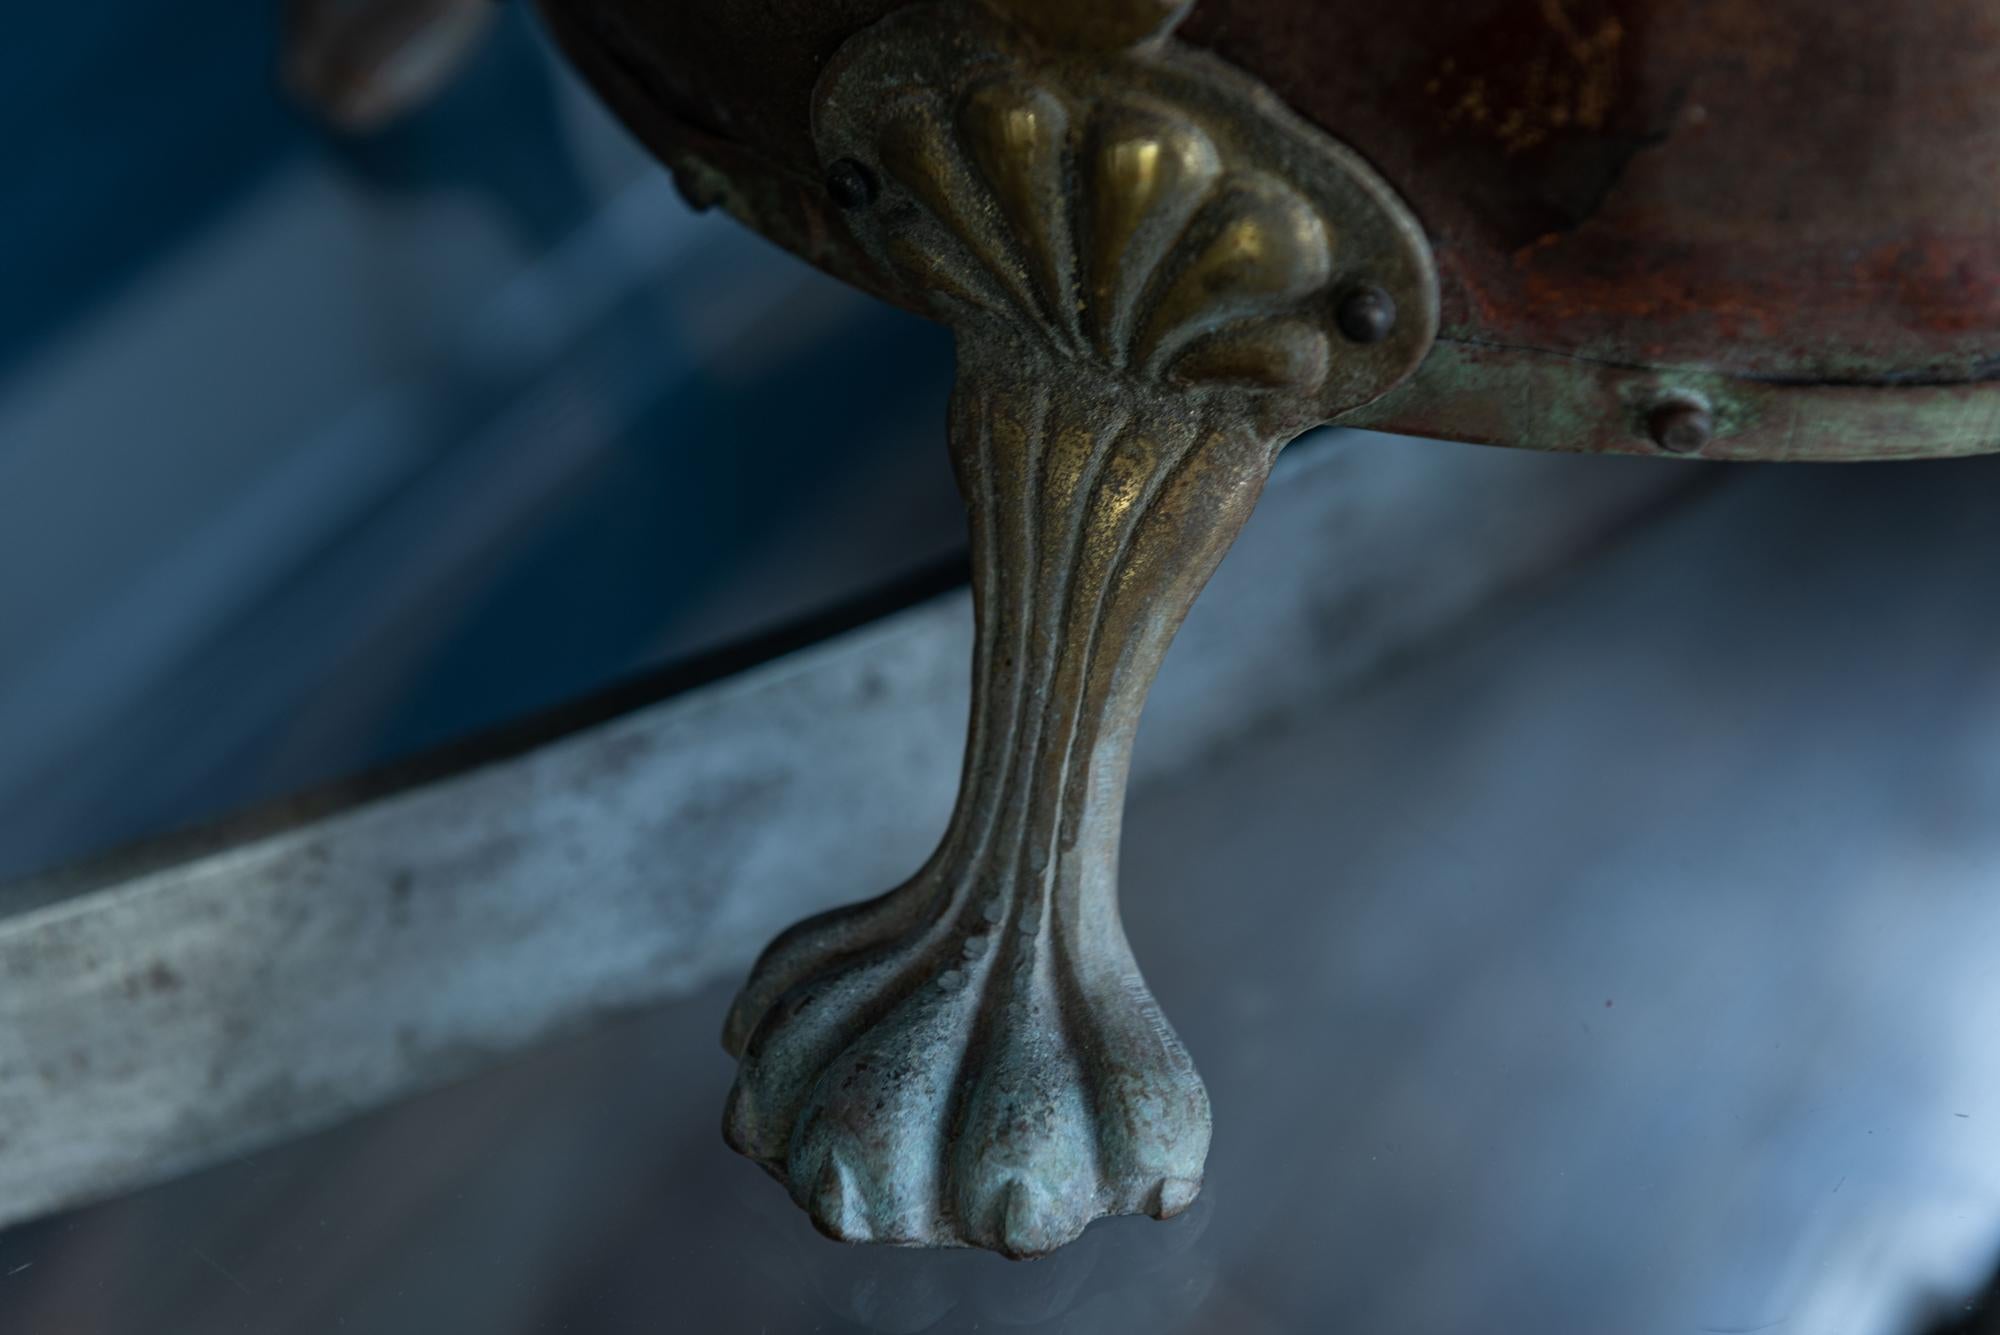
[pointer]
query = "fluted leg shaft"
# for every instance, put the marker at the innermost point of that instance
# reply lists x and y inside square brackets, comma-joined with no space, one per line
[974,1058]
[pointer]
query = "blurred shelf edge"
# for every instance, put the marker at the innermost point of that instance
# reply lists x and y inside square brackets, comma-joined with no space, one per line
[271,986]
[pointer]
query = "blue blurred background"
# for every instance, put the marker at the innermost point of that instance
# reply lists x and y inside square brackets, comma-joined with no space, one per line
[317,449]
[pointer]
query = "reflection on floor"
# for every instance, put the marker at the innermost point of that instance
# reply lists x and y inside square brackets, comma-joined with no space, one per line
[1623,966]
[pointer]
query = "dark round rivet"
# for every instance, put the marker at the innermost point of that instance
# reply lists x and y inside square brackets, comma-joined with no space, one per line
[1367,314]
[691,195]
[1680,427]
[850,185]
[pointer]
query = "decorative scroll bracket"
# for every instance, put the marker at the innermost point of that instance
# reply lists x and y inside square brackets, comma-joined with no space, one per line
[1157,275]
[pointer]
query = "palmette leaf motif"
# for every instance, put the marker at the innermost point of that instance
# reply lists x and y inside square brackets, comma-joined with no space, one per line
[1115,229]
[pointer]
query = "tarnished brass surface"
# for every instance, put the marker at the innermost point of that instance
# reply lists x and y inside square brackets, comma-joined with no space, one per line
[1157,276]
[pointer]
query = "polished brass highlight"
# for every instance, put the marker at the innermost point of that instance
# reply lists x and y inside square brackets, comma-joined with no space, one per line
[1145,259]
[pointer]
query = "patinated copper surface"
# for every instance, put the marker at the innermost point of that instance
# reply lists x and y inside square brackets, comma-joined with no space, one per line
[1779,196]
[1777,188]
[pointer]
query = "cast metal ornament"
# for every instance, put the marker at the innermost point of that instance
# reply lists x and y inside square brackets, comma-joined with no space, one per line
[1157,276]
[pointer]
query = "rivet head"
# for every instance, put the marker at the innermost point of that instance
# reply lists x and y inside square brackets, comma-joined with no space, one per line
[691,193]
[850,185]
[1680,427]
[1366,315]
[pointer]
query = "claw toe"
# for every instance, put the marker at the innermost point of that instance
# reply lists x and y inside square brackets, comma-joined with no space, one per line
[834,1208]
[1171,1195]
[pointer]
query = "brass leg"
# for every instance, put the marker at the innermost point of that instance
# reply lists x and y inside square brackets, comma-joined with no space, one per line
[1151,296]
[974,1057]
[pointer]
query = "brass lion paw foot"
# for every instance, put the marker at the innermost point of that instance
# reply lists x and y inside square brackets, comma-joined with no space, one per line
[955,1065]
[1156,278]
